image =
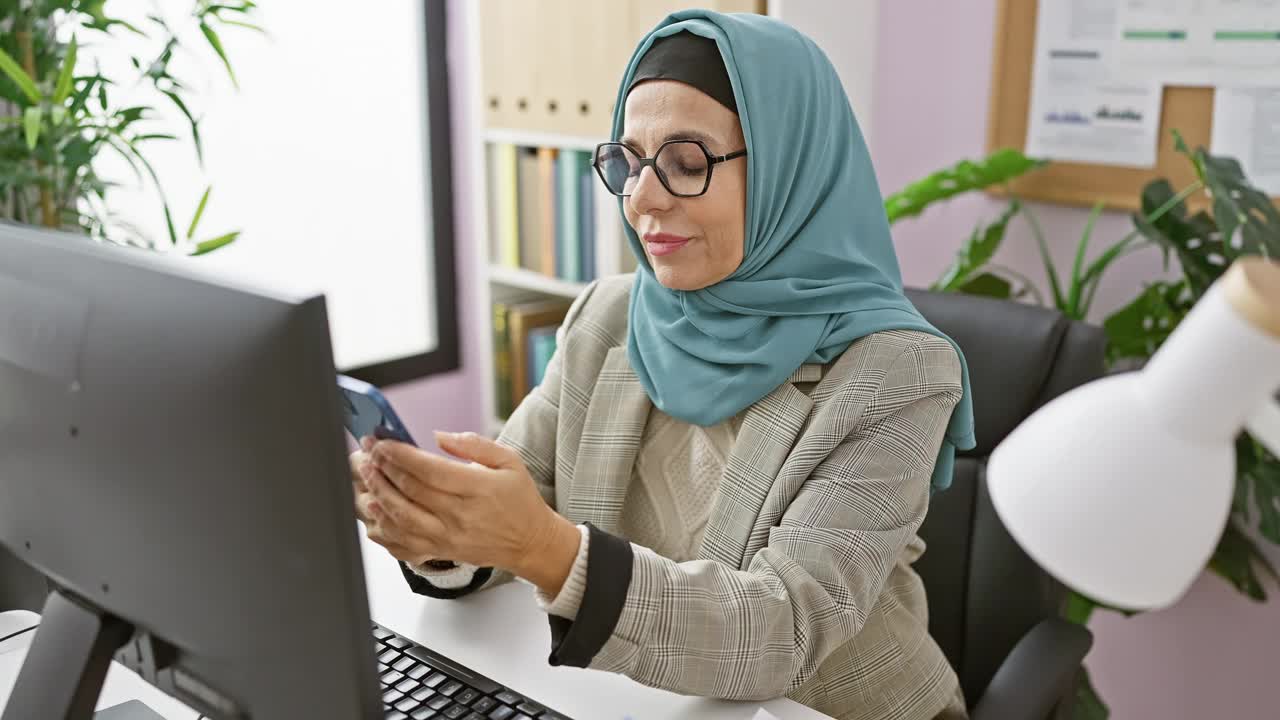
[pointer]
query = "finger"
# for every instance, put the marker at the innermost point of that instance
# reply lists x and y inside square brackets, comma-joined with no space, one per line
[364,512]
[377,535]
[443,474]
[402,513]
[420,493]
[358,460]
[366,443]
[480,449]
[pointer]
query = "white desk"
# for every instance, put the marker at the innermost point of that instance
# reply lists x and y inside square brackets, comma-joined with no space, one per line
[500,633]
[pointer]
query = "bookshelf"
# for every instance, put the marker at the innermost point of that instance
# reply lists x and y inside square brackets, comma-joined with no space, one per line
[555,93]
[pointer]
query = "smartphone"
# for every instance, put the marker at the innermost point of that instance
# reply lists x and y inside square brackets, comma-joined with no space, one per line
[367,412]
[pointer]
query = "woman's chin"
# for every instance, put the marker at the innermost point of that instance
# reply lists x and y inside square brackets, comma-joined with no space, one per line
[673,277]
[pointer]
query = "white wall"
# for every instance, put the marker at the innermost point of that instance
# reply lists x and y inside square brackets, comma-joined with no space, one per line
[846,32]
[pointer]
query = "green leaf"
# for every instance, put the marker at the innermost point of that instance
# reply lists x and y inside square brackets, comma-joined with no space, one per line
[128,116]
[1088,706]
[1258,474]
[1077,268]
[1079,608]
[998,167]
[1249,222]
[1237,560]
[976,251]
[10,67]
[1046,257]
[249,26]
[1195,240]
[195,124]
[31,125]
[216,43]
[1138,329]
[195,219]
[63,87]
[987,285]
[211,245]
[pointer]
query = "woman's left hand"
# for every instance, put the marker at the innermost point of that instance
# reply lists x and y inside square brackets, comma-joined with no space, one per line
[486,512]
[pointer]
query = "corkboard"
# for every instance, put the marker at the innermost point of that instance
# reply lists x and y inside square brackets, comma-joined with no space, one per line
[1187,109]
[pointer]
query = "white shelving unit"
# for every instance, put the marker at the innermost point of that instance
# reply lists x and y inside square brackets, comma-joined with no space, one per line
[521,279]
[500,281]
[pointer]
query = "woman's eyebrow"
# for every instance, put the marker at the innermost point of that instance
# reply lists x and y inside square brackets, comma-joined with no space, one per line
[675,135]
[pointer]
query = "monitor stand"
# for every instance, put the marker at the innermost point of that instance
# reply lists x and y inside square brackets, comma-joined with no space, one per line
[132,710]
[67,662]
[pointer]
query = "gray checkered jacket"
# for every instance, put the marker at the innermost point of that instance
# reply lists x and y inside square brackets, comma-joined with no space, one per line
[803,586]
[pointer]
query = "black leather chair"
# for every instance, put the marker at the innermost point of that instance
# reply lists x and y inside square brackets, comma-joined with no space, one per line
[995,613]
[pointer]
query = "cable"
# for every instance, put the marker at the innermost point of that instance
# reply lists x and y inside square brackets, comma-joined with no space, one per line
[11,636]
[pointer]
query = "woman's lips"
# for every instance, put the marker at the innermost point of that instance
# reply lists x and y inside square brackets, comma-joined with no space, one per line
[663,243]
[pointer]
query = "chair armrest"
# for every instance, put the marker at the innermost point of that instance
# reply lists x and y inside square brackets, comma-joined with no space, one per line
[1038,672]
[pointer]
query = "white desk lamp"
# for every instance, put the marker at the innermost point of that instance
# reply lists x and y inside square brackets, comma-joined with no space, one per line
[1121,487]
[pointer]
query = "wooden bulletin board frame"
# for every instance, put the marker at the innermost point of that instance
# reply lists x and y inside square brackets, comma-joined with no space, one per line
[1187,109]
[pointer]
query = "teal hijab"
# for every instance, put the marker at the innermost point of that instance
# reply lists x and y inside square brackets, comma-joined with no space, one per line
[818,268]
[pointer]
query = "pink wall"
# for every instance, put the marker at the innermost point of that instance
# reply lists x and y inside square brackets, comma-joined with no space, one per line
[449,401]
[1211,656]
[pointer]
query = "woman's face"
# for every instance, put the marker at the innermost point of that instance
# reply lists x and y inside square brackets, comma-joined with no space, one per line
[692,242]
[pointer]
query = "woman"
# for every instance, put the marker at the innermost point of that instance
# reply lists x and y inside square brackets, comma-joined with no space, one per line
[717,486]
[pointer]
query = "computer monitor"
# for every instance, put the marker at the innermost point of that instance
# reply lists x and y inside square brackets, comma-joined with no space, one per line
[172,460]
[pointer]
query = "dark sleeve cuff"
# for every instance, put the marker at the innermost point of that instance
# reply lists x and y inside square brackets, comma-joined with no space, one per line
[420,585]
[609,561]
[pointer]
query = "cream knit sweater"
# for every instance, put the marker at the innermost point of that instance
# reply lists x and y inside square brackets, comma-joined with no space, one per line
[673,488]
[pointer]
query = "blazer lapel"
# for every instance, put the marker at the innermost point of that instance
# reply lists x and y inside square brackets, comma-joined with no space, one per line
[763,443]
[611,433]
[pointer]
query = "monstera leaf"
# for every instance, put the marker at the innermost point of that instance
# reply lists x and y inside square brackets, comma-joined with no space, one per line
[1249,222]
[1139,328]
[1194,240]
[997,168]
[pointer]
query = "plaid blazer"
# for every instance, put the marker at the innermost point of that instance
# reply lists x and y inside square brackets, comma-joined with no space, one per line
[803,585]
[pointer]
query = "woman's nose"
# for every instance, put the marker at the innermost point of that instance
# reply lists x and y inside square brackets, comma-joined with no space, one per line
[649,196]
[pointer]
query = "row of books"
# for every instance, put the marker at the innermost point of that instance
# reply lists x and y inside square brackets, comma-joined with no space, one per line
[524,339]
[542,211]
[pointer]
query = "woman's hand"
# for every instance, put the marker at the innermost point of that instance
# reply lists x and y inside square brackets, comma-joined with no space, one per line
[366,505]
[486,512]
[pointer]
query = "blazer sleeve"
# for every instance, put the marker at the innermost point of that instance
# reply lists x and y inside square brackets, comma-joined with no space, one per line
[531,432]
[704,628]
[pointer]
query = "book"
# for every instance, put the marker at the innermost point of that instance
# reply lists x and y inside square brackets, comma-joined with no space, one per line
[528,190]
[547,210]
[587,225]
[502,362]
[568,249]
[504,200]
[522,318]
[542,345]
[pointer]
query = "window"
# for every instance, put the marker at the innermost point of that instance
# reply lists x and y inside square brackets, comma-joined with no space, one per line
[333,158]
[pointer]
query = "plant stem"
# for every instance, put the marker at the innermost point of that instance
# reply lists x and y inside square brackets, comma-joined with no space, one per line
[1092,275]
[48,216]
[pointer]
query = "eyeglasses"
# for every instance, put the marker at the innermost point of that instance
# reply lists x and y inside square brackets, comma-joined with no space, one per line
[682,166]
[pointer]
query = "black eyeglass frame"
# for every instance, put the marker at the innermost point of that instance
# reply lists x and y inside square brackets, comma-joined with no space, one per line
[712,161]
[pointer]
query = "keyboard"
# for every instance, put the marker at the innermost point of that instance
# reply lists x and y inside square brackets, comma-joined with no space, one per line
[418,684]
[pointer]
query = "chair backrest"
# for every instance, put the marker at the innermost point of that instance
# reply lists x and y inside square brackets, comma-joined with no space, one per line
[984,592]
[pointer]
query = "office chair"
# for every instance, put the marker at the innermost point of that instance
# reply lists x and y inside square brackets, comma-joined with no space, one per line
[994,612]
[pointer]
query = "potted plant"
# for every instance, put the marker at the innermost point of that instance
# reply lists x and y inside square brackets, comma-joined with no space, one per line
[56,117]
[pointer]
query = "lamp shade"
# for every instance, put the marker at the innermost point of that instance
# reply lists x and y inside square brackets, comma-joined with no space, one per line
[1121,487]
